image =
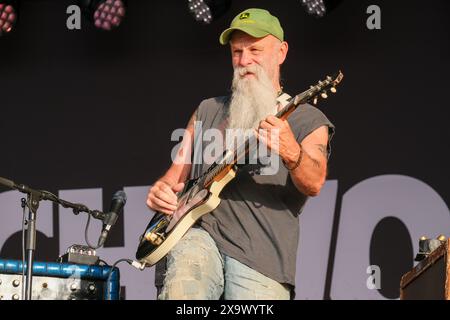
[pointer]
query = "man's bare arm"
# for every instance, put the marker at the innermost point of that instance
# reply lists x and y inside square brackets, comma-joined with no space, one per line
[310,174]
[181,167]
[162,195]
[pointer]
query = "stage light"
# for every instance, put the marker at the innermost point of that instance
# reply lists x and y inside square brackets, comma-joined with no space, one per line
[105,14]
[8,16]
[319,8]
[205,11]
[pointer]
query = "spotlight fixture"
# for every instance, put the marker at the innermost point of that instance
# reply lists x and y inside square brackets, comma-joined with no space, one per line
[205,11]
[319,8]
[105,14]
[8,16]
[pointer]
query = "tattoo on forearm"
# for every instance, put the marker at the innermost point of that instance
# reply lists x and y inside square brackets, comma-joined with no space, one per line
[314,161]
[323,149]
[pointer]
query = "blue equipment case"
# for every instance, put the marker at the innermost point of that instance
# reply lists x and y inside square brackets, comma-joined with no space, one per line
[60,281]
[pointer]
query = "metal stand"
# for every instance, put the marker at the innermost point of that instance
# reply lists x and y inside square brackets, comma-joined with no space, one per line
[33,204]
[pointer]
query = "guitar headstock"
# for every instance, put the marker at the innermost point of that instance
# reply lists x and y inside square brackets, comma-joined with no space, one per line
[321,89]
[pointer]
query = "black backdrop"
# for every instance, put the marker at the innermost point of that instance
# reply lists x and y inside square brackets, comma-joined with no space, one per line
[82,109]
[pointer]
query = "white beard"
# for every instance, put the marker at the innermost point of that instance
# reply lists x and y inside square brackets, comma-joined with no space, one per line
[252,100]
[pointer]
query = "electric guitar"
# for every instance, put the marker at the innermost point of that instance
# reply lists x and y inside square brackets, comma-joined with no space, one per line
[201,196]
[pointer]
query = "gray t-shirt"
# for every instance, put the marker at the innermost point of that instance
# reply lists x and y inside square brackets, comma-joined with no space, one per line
[256,222]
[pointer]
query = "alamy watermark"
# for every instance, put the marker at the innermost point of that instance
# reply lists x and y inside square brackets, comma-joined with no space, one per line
[374,280]
[73,21]
[213,145]
[374,20]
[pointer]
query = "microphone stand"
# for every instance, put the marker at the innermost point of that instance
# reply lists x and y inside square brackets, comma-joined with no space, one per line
[33,199]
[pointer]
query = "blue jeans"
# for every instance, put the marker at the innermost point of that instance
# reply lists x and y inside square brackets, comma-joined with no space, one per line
[196,270]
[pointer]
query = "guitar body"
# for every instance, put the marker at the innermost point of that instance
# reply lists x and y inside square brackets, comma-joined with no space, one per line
[164,231]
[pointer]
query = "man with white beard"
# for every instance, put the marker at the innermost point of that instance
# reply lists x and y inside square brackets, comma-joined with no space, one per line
[246,248]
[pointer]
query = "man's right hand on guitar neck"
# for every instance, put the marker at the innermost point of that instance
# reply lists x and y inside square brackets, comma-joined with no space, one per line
[162,197]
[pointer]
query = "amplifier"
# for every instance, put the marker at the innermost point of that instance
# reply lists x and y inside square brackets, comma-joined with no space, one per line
[60,281]
[430,278]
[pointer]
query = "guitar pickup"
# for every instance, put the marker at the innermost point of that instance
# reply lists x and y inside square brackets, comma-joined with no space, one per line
[155,238]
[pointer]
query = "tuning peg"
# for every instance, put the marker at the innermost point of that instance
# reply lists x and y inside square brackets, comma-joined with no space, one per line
[333,89]
[324,95]
[315,100]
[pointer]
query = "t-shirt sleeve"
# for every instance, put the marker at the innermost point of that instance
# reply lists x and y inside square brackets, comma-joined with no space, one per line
[205,115]
[209,107]
[308,118]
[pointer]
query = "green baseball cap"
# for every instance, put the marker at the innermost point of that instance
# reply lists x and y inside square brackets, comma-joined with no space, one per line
[256,22]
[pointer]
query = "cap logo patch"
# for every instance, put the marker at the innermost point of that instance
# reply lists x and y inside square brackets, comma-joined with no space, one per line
[244,15]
